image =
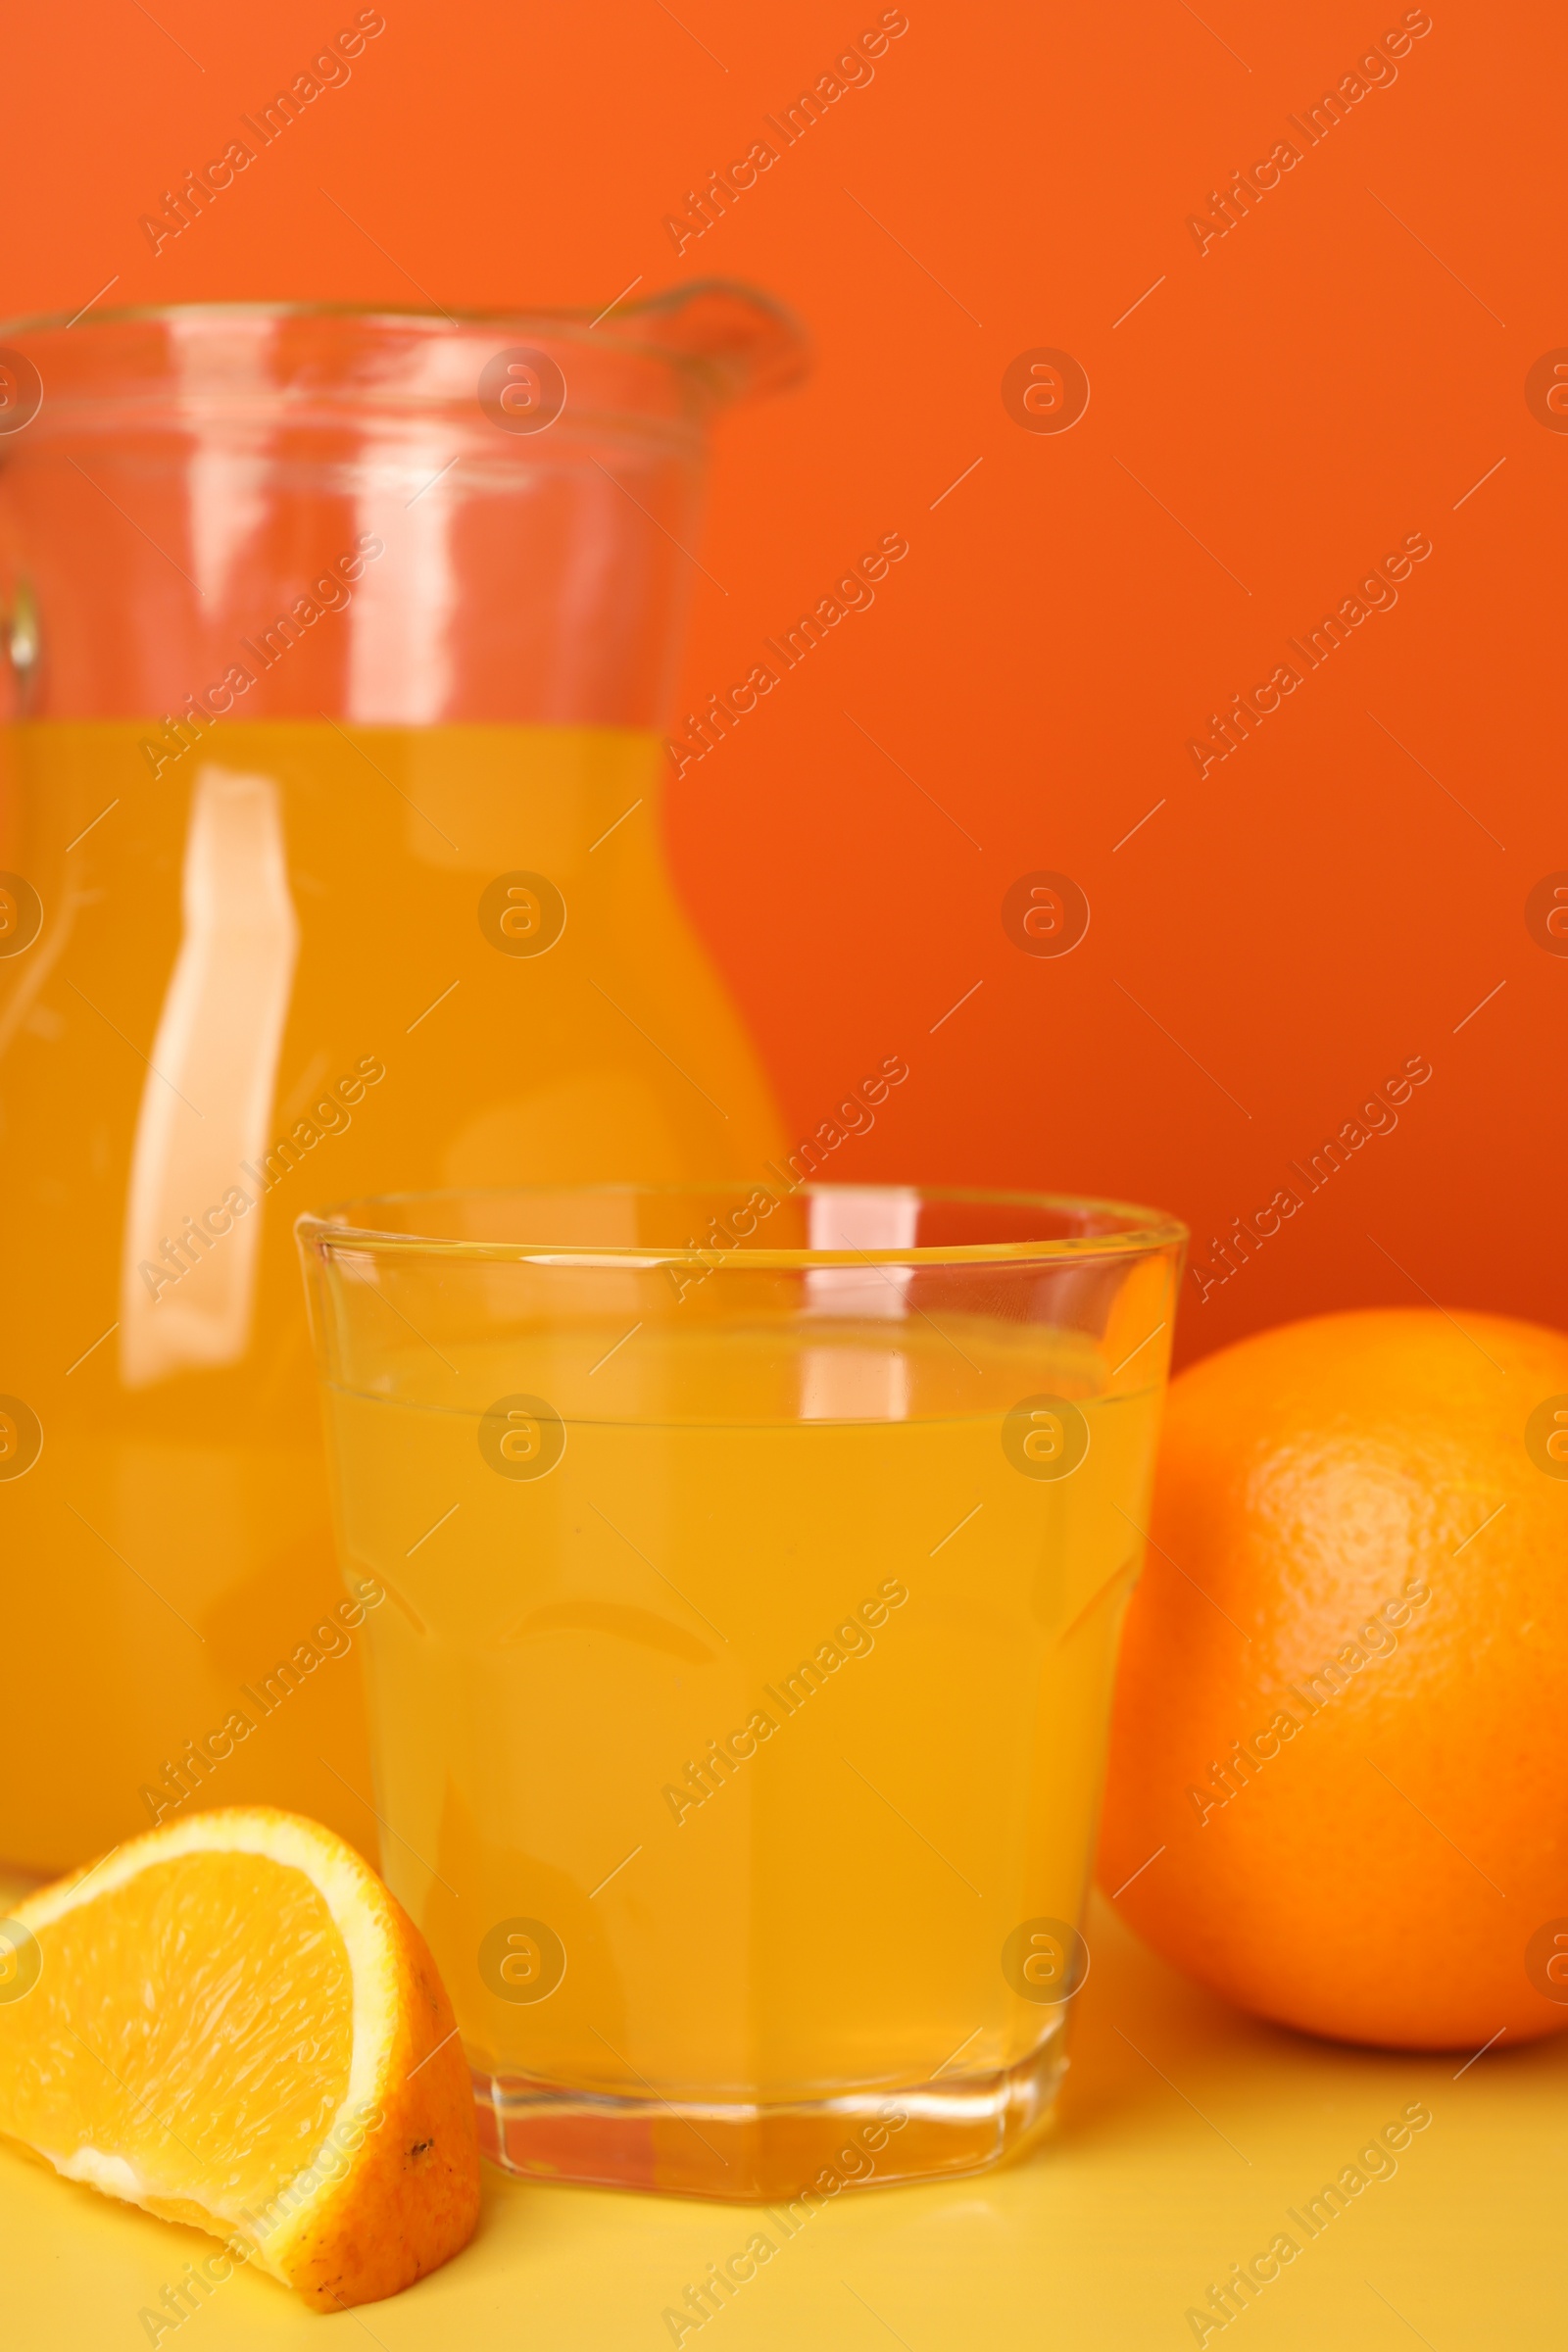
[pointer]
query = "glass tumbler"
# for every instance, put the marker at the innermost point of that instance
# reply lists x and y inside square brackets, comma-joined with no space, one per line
[744,1569]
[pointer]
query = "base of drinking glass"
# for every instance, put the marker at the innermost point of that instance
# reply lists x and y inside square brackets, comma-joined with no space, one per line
[744,2153]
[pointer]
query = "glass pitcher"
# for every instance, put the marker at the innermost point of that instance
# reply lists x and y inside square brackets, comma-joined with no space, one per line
[330,860]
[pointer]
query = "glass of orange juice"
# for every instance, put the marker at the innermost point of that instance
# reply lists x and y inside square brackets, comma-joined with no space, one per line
[744,1568]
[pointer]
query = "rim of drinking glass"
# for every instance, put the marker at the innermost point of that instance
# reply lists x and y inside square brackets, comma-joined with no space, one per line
[1147,1230]
[565,320]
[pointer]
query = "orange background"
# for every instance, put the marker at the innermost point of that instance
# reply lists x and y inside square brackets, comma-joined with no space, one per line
[1278,414]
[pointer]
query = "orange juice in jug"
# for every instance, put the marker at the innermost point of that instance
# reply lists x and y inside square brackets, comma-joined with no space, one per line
[330,860]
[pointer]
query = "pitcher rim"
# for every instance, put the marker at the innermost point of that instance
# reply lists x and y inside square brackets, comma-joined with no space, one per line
[565,320]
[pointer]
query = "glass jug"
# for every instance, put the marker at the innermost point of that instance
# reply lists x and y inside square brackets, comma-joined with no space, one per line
[330,861]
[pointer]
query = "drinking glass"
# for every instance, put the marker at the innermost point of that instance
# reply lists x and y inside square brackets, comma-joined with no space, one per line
[744,1567]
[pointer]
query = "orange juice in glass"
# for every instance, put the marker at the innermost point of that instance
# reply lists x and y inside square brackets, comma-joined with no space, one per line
[754,1561]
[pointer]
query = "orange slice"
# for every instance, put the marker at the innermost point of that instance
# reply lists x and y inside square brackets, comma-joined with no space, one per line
[232,2023]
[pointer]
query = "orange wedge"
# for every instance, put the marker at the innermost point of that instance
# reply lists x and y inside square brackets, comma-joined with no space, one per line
[232,2023]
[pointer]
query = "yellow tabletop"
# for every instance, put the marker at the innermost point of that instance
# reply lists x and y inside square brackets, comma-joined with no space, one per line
[1189,2139]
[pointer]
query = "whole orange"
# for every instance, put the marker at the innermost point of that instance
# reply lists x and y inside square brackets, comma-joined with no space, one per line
[1339,1770]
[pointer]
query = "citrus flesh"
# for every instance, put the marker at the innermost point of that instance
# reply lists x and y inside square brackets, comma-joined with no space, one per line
[232,2023]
